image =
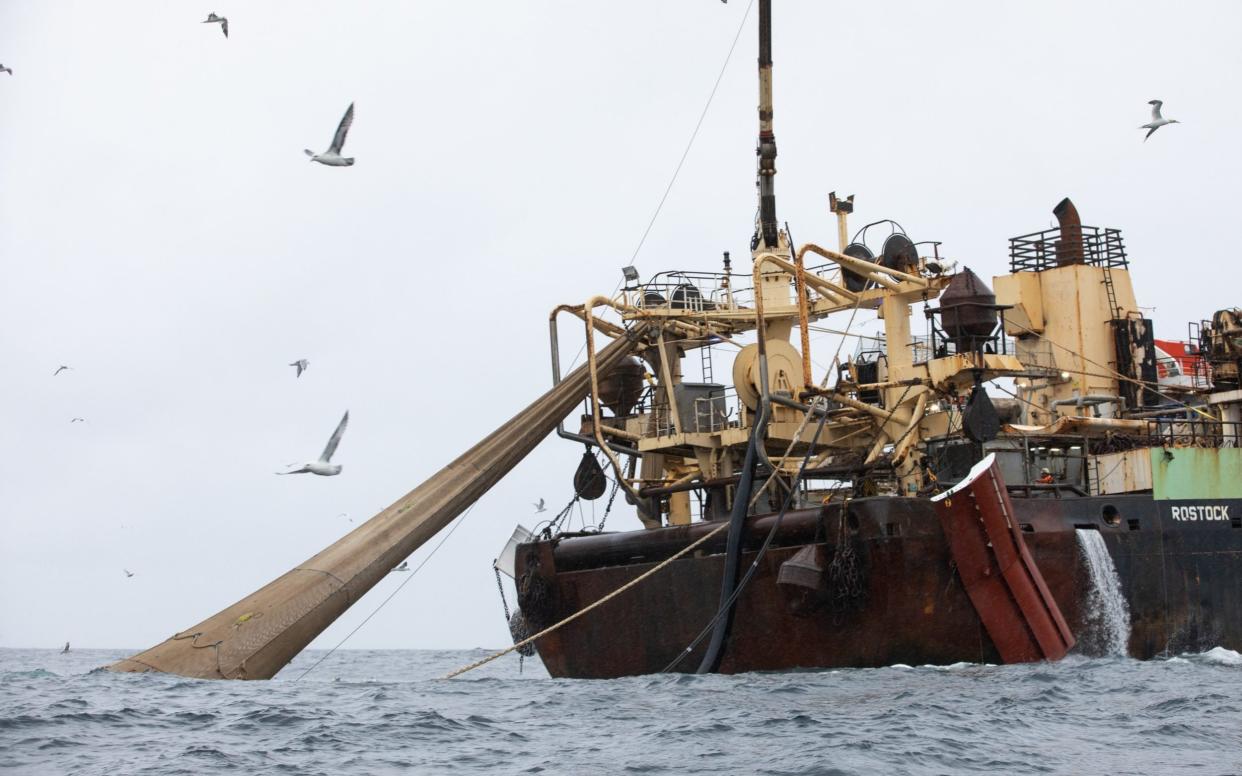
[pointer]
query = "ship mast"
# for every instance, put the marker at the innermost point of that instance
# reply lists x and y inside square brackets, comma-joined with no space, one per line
[766,151]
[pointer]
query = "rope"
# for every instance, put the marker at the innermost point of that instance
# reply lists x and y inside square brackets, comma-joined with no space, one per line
[383,603]
[680,553]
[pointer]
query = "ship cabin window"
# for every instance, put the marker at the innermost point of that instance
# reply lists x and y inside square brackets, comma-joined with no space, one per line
[1111,515]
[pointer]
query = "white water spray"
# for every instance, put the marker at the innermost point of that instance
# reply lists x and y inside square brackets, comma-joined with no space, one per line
[1106,614]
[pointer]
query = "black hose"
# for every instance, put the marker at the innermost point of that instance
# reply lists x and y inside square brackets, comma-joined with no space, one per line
[726,607]
[733,548]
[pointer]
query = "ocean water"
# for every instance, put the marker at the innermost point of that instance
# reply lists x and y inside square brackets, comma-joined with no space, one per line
[387,712]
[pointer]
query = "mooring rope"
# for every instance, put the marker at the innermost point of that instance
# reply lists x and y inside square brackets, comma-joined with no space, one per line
[680,553]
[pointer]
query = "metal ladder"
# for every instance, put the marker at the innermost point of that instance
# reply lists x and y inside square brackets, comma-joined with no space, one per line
[705,361]
[1114,309]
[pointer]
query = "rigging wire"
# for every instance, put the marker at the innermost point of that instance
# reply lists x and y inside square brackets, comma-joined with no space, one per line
[406,581]
[690,144]
[1118,375]
[695,133]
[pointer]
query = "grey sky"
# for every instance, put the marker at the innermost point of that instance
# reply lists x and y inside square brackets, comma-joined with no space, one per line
[162,233]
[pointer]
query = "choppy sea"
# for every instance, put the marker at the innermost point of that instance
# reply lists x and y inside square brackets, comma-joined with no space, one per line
[387,712]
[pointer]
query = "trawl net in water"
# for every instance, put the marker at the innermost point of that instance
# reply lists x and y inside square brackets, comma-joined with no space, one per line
[1106,615]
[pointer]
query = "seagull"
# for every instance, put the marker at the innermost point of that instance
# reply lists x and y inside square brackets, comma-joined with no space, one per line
[224,23]
[60,369]
[1157,121]
[78,420]
[539,507]
[332,157]
[405,566]
[4,69]
[322,467]
[128,573]
[345,515]
[66,649]
[301,364]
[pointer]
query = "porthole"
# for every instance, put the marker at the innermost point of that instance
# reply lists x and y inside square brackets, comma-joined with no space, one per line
[1111,515]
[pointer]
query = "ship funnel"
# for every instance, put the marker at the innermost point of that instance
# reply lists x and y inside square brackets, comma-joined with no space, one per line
[1069,247]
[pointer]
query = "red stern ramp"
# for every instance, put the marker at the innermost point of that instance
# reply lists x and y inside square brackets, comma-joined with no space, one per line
[999,574]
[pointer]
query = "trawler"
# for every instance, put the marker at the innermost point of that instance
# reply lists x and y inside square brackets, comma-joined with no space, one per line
[953,490]
[1099,431]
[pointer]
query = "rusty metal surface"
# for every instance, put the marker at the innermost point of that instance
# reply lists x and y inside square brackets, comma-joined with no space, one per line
[1003,581]
[1182,582]
[1069,248]
[967,311]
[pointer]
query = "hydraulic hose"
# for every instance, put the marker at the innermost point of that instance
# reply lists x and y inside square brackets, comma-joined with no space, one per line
[733,547]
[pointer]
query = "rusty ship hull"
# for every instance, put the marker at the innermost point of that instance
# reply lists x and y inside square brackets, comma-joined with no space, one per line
[895,598]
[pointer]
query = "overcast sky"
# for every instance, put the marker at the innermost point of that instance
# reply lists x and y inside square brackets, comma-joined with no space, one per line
[162,233]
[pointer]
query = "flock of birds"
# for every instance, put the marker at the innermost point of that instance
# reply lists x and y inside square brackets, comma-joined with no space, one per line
[322,466]
[332,157]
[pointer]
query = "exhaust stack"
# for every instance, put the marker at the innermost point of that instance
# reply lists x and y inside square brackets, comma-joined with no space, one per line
[1069,248]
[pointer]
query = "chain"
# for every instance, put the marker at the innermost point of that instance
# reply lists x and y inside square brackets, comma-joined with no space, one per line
[600,528]
[515,622]
[843,577]
[554,525]
[500,586]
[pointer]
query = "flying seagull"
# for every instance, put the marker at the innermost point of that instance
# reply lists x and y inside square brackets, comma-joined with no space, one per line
[4,69]
[128,573]
[223,22]
[66,649]
[1157,121]
[332,157]
[322,467]
[60,369]
[346,516]
[405,566]
[301,364]
[539,507]
[78,420]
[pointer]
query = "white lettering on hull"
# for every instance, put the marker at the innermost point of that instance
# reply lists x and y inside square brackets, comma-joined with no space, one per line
[1201,513]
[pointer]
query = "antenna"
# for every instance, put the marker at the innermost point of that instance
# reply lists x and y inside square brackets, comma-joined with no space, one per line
[842,208]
